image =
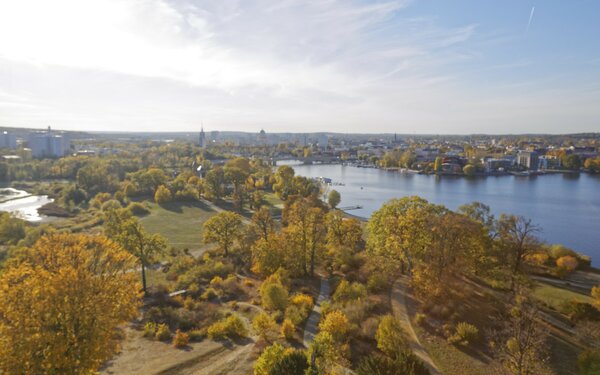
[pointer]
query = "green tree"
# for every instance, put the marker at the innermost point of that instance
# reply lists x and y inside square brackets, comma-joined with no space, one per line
[571,161]
[284,178]
[334,198]
[390,336]
[293,362]
[125,229]
[223,228]
[213,183]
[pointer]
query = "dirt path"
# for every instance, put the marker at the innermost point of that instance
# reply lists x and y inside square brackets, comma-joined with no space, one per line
[401,312]
[310,330]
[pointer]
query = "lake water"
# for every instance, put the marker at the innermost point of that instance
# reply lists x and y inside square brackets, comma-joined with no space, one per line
[566,207]
[22,204]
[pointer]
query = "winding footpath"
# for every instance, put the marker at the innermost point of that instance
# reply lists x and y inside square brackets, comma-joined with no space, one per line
[312,324]
[400,310]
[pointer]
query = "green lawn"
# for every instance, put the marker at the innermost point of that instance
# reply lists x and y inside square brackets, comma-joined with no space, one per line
[555,297]
[179,222]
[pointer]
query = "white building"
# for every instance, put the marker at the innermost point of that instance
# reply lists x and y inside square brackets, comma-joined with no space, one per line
[48,145]
[8,140]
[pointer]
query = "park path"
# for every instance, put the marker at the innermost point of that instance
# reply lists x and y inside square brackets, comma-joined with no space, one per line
[400,310]
[310,330]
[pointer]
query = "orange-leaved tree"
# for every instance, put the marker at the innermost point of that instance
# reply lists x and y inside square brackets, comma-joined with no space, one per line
[60,303]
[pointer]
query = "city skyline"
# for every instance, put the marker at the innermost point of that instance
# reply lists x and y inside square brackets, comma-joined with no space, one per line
[409,67]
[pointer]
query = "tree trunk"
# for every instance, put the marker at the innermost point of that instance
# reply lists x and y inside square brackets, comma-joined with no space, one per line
[144,278]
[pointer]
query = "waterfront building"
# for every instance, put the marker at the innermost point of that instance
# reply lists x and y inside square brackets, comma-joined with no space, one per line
[528,159]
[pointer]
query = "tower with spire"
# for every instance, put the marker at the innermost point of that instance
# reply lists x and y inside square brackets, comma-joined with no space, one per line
[202,138]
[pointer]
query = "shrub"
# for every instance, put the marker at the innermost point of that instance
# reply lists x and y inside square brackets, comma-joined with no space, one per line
[420,319]
[377,282]
[230,327]
[163,195]
[390,336]
[349,292]
[197,335]
[578,311]
[566,264]
[303,301]
[150,329]
[588,362]
[336,324]
[209,294]
[263,323]
[216,281]
[163,333]
[288,329]
[295,314]
[181,339]
[274,296]
[465,334]
[293,362]
[368,328]
[248,282]
[406,363]
[267,360]
[138,209]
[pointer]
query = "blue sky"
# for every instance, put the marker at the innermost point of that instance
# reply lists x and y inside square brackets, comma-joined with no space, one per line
[405,66]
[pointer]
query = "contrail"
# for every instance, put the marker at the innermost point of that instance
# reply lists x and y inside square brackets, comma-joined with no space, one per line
[530,19]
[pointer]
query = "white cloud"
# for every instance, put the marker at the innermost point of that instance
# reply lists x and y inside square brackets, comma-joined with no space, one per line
[288,65]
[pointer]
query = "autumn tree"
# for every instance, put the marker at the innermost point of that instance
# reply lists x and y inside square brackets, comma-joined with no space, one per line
[344,237]
[522,344]
[223,228]
[263,223]
[213,183]
[125,229]
[269,254]
[334,198]
[517,240]
[306,233]
[237,177]
[61,302]
[284,179]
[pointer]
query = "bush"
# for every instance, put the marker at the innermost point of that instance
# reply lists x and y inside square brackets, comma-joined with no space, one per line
[163,333]
[303,301]
[138,209]
[293,362]
[274,296]
[267,360]
[230,327]
[163,195]
[209,294]
[288,329]
[181,339]
[150,329]
[295,314]
[465,334]
[420,319]
[368,328]
[390,336]
[588,362]
[346,292]
[406,363]
[566,264]
[336,324]
[263,324]
[197,335]
[378,282]
[578,311]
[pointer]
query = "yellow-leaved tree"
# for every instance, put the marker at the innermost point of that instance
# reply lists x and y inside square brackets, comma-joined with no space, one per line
[60,303]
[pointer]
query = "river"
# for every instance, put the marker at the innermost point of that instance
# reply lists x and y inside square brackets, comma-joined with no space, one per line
[22,204]
[566,207]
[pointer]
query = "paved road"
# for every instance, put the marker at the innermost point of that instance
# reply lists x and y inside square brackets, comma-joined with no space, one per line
[312,324]
[400,311]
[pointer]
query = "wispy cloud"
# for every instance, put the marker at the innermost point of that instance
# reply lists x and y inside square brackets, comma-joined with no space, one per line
[239,64]
[530,19]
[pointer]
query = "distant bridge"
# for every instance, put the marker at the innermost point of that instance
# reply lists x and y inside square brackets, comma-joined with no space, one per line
[348,208]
